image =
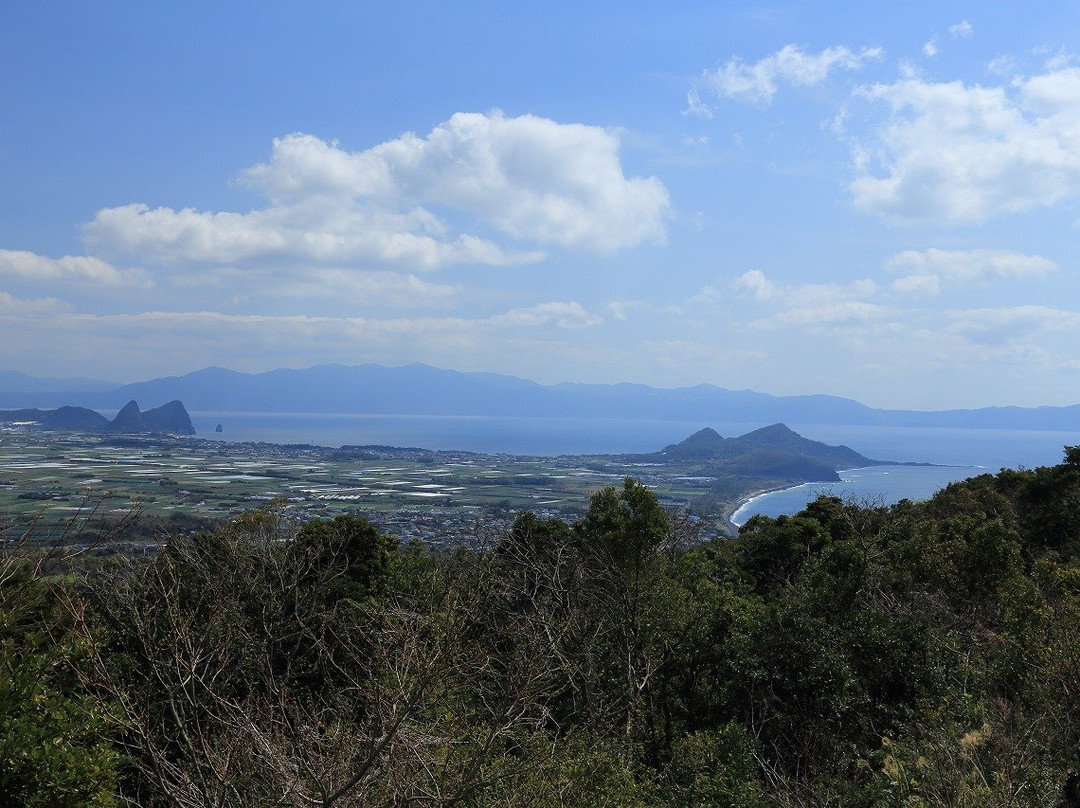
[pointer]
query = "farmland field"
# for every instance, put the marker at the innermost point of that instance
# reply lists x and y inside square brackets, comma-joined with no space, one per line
[55,481]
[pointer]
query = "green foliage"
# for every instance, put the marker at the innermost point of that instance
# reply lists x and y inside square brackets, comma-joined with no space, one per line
[354,548]
[53,747]
[622,529]
[713,767]
[916,655]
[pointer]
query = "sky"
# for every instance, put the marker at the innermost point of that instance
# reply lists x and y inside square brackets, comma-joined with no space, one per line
[877,201]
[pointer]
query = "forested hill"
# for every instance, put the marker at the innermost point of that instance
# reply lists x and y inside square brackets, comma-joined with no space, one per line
[922,654]
[709,444]
[773,455]
[422,390]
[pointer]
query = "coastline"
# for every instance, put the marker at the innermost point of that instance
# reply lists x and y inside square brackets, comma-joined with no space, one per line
[728,515]
[894,482]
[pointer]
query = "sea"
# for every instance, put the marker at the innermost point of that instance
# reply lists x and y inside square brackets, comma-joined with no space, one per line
[951,453]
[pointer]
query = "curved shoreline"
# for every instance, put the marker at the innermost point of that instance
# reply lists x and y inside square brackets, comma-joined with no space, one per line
[728,515]
[730,512]
[887,493]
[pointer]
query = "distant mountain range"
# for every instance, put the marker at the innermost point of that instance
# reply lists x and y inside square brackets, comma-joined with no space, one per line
[423,390]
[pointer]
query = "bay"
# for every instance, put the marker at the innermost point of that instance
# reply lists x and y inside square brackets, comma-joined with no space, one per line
[960,453]
[988,448]
[473,433]
[873,485]
[956,453]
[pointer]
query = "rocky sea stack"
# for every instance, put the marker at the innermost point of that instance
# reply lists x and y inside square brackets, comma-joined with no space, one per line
[171,418]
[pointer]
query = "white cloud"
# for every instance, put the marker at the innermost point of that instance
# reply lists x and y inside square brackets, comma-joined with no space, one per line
[1002,65]
[12,306]
[1004,325]
[649,311]
[930,48]
[929,268]
[695,106]
[24,264]
[827,315]
[527,179]
[378,288]
[919,285]
[759,82]
[963,153]
[570,314]
[813,306]
[755,285]
[313,231]
[962,30]
[158,339]
[1060,60]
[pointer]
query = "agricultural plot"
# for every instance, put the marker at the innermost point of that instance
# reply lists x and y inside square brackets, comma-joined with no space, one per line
[55,478]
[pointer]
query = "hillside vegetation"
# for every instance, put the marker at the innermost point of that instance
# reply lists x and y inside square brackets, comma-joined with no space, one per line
[918,654]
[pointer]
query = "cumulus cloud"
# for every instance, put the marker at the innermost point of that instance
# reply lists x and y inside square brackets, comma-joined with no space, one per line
[25,264]
[813,306]
[965,154]
[930,48]
[529,180]
[758,82]
[755,285]
[961,30]
[928,269]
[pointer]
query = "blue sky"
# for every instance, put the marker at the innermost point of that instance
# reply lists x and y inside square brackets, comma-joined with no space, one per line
[870,200]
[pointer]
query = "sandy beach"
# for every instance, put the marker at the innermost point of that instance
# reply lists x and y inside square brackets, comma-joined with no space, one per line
[729,513]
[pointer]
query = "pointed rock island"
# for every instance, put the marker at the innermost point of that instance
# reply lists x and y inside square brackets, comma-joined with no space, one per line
[171,419]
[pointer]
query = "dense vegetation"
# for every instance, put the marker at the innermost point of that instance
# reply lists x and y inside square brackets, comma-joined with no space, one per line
[855,655]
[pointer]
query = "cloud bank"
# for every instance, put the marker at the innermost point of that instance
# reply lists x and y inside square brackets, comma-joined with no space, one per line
[963,154]
[479,188]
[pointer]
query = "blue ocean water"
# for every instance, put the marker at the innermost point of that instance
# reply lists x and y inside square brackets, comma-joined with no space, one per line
[991,448]
[480,433]
[874,485]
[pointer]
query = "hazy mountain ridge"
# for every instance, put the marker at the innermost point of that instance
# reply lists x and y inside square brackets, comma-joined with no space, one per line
[419,389]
